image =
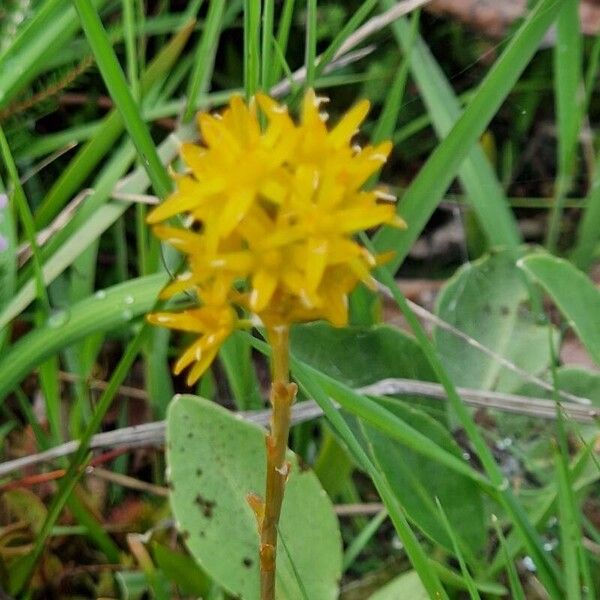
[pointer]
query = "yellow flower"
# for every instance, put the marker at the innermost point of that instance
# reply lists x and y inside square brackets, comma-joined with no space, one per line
[214,324]
[273,212]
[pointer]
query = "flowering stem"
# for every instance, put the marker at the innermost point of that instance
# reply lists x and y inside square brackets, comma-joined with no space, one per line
[283,394]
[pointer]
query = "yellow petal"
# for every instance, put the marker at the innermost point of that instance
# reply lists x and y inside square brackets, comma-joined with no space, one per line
[235,209]
[316,261]
[191,353]
[359,219]
[264,284]
[182,239]
[215,134]
[201,366]
[348,126]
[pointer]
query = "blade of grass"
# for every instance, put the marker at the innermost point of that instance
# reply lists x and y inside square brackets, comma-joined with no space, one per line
[267,65]
[436,175]
[545,508]
[95,217]
[236,358]
[470,583]
[251,47]
[49,369]
[129,34]
[588,230]
[516,588]
[283,35]
[386,123]
[386,422]
[476,173]
[8,260]
[567,83]
[119,92]
[570,535]
[310,52]
[205,56]
[574,558]
[362,539]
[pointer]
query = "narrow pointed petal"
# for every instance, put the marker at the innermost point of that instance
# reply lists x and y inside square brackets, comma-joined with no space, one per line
[264,284]
[348,126]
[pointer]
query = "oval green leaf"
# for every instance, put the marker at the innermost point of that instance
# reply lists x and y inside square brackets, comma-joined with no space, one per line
[574,294]
[486,300]
[214,461]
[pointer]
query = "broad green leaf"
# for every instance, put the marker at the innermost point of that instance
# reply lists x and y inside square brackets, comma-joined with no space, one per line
[215,460]
[486,300]
[418,480]
[408,585]
[574,294]
[360,356]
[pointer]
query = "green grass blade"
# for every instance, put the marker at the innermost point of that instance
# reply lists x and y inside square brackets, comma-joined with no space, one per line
[117,87]
[129,30]
[205,56]
[570,533]
[267,64]
[383,420]
[283,35]
[26,217]
[8,259]
[588,230]
[310,52]
[436,175]
[362,539]
[468,578]
[236,357]
[386,123]
[568,99]
[251,47]
[95,217]
[516,588]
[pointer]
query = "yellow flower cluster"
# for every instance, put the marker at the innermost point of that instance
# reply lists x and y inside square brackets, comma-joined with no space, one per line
[270,213]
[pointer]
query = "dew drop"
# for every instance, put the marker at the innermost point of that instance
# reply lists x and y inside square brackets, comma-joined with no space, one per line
[58,319]
[529,564]
[128,300]
[127,314]
[100,295]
